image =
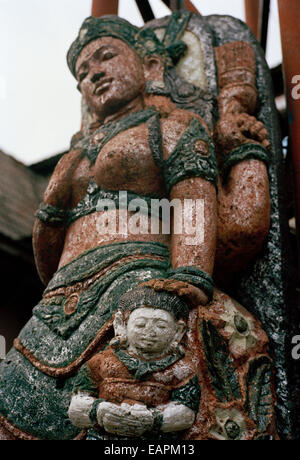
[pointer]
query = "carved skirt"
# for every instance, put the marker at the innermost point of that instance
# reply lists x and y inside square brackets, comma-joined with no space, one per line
[71,323]
[74,321]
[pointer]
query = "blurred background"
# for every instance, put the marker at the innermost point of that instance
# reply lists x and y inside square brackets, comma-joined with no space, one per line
[40,111]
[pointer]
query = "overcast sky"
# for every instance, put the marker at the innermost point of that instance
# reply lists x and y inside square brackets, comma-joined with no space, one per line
[39,103]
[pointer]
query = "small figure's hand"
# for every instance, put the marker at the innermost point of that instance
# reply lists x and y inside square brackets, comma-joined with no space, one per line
[124,419]
[79,410]
[191,294]
[235,130]
[176,417]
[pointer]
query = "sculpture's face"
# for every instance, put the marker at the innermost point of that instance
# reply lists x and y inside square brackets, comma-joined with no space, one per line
[110,75]
[151,331]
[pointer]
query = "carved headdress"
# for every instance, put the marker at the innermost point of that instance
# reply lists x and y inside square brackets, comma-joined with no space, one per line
[147,297]
[143,41]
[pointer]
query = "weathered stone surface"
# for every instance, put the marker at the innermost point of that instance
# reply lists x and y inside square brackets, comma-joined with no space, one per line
[265,288]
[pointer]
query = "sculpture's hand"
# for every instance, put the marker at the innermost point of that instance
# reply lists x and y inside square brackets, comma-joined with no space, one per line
[235,130]
[191,294]
[124,419]
[176,417]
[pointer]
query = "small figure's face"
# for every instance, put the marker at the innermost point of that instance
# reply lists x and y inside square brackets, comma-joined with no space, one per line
[151,331]
[110,75]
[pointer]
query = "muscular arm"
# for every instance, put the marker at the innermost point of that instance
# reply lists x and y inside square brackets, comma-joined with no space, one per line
[243,198]
[244,215]
[195,246]
[48,239]
[48,243]
[193,242]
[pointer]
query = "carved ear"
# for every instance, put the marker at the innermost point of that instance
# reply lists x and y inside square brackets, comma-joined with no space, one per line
[153,68]
[119,324]
[181,330]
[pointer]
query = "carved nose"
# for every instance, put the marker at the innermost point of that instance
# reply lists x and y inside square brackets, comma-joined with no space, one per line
[96,77]
[151,332]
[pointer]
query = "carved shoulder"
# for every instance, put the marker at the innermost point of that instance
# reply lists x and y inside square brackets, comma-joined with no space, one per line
[175,126]
[58,192]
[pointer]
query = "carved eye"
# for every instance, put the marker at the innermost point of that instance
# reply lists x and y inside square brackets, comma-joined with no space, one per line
[108,55]
[82,76]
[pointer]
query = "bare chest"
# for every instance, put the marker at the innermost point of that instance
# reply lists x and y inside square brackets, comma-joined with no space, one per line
[125,162]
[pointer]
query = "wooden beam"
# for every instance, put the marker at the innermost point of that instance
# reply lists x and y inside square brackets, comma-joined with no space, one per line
[257,18]
[103,7]
[191,7]
[265,15]
[174,5]
[181,4]
[145,10]
[289,15]
[253,9]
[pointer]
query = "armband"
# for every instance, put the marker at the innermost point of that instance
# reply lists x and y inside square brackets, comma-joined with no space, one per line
[194,156]
[245,152]
[51,215]
[194,276]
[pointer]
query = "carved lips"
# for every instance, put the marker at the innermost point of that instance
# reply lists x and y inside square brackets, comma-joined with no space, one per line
[102,86]
[148,341]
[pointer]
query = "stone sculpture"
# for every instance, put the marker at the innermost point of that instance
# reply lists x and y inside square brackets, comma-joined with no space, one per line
[147,135]
[128,387]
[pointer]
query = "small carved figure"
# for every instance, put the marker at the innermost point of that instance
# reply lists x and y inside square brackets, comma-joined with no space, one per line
[145,382]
